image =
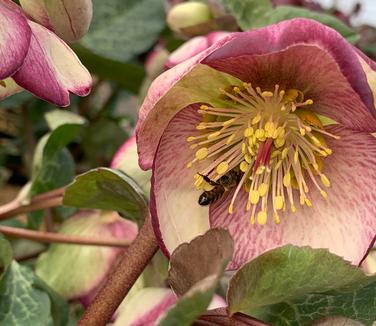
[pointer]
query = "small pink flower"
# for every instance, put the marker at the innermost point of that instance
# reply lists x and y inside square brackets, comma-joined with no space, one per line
[272,128]
[34,58]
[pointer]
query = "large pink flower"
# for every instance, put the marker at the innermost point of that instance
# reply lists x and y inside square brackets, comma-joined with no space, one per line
[286,112]
[34,58]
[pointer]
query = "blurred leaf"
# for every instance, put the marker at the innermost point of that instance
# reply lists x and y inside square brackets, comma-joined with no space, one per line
[195,269]
[16,100]
[104,134]
[122,29]
[58,117]
[127,75]
[288,12]
[5,255]
[291,274]
[107,189]
[25,300]
[247,12]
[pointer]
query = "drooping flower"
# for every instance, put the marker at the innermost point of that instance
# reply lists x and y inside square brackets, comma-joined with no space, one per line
[272,128]
[34,58]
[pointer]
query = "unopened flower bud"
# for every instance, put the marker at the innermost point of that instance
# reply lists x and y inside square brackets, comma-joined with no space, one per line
[69,19]
[188,14]
[78,271]
[155,61]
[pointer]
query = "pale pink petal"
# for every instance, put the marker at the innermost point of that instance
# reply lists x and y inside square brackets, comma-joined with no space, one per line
[217,302]
[36,9]
[51,69]
[310,69]
[8,87]
[345,224]
[176,215]
[145,307]
[15,37]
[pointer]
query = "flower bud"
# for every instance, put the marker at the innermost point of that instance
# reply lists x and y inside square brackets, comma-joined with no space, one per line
[155,61]
[188,14]
[69,19]
[78,271]
[126,160]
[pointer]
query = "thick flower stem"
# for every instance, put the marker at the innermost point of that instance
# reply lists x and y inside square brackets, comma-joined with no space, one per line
[49,237]
[131,265]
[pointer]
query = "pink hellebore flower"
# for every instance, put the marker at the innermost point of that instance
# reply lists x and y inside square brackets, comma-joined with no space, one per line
[34,58]
[238,126]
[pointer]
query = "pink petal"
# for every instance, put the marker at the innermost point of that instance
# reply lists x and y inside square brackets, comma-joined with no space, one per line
[310,69]
[15,37]
[51,69]
[36,9]
[345,224]
[8,88]
[176,215]
[280,36]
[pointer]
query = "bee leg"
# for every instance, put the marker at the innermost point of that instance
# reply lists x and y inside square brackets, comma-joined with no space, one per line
[207,179]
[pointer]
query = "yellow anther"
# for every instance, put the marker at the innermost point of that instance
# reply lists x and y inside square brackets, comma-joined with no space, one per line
[279,142]
[228,122]
[323,153]
[325,181]
[197,176]
[263,188]
[222,168]
[328,151]
[230,209]
[296,157]
[280,132]
[287,180]
[284,153]
[189,139]
[252,219]
[189,165]
[293,208]
[244,147]
[308,102]
[254,197]
[260,170]
[250,150]
[302,200]
[248,132]
[262,217]
[214,134]
[193,146]
[282,93]
[230,139]
[207,187]
[256,119]
[248,158]
[276,218]
[275,154]
[269,126]
[202,153]
[236,89]
[302,131]
[308,202]
[278,202]
[204,107]
[324,194]
[267,94]
[315,140]
[244,166]
[201,126]
[260,133]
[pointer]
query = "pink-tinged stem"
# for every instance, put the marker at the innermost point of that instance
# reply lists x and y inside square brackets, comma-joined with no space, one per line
[49,237]
[122,278]
[46,200]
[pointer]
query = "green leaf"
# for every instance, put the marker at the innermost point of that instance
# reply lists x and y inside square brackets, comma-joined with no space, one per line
[195,269]
[126,75]
[5,255]
[25,300]
[289,275]
[107,189]
[122,29]
[248,12]
[288,12]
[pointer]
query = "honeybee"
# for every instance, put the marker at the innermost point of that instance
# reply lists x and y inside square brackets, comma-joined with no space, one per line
[223,184]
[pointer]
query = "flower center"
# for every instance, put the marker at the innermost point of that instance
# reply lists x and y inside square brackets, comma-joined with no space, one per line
[266,143]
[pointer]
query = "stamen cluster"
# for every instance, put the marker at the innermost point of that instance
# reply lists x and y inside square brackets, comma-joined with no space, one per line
[273,137]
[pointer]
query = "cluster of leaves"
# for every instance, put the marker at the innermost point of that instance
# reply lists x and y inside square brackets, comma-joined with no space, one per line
[43,148]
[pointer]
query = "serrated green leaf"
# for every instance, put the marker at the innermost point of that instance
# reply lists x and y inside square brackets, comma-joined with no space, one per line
[248,12]
[107,189]
[291,274]
[288,12]
[122,29]
[25,300]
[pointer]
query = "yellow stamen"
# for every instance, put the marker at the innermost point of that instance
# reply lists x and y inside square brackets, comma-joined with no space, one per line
[262,217]
[263,188]
[202,153]
[254,197]
[222,168]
